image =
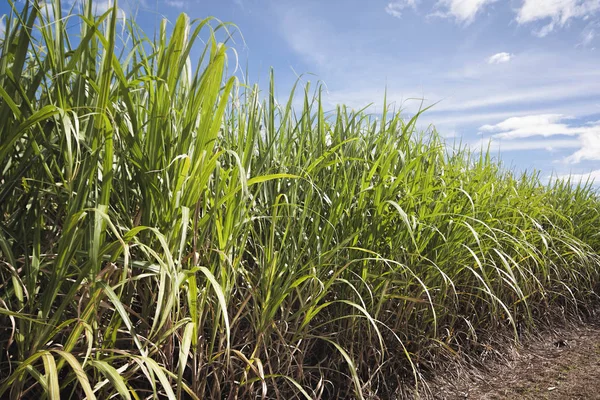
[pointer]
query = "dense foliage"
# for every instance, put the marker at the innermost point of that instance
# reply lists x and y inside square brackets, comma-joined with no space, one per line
[166,231]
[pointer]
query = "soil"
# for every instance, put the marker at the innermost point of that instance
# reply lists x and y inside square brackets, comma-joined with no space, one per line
[562,363]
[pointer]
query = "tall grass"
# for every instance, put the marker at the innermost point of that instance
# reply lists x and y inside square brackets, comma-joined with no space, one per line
[168,232]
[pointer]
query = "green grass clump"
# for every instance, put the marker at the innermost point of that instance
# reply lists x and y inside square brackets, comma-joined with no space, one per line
[165,233]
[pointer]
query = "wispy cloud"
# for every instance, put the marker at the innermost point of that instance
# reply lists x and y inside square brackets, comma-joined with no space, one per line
[544,30]
[579,109]
[321,47]
[176,3]
[395,8]
[500,58]
[477,98]
[486,97]
[496,145]
[558,11]
[99,7]
[309,37]
[463,11]
[588,34]
[587,37]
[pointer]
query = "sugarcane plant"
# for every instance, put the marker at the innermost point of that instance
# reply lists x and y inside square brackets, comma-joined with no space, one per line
[168,230]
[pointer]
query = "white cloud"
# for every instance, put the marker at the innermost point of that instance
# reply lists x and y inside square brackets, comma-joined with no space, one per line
[175,3]
[588,34]
[395,8]
[590,147]
[468,104]
[307,40]
[558,11]
[587,37]
[592,175]
[99,7]
[320,46]
[545,125]
[500,58]
[579,109]
[2,25]
[46,11]
[561,91]
[536,125]
[409,101]
[496,145]
[544,31]
[464,11]
[531,125]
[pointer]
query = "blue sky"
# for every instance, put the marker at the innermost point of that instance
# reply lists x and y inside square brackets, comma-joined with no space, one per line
[523,73]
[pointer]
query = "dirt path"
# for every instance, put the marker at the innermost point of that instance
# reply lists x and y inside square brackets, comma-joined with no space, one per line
[561,364]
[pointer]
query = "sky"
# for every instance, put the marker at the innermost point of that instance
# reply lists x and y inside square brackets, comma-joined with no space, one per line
[523,74]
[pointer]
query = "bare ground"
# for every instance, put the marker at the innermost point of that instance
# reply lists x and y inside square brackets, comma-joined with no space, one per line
[560,363]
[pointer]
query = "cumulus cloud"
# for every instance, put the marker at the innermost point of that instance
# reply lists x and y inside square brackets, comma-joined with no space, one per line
[500,58]
[590,147]
[464,11]
[509,131]
[536,125]
[558,11]
[396,8]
